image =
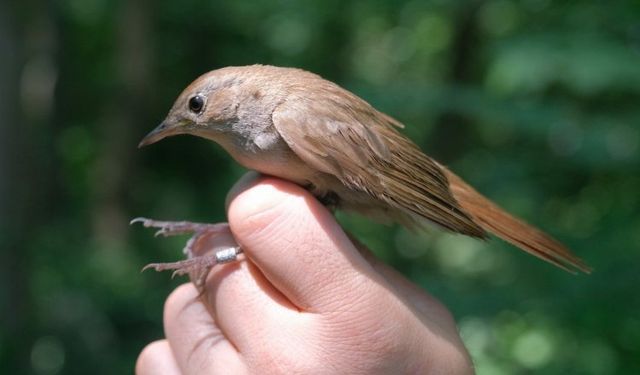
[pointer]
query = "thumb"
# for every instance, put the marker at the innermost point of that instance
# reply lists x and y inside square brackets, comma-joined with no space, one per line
[297,244]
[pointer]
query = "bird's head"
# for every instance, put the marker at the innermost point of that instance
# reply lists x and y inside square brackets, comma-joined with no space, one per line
[205,108]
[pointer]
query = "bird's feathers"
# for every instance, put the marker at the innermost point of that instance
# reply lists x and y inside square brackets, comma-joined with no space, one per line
[340,134]
[515,231]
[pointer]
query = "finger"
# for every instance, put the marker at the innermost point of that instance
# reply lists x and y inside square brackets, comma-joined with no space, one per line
[196,341]
[242,302]
[298,245]
[157,358]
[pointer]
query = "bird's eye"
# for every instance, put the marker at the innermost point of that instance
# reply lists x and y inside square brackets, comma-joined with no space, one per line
[196,104]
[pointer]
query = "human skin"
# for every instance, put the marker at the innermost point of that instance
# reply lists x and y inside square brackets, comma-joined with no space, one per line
[305,299]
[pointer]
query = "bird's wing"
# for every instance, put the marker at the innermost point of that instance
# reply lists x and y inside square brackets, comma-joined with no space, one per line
[342,135]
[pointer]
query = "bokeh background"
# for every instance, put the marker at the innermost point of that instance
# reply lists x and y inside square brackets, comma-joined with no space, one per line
[535,102]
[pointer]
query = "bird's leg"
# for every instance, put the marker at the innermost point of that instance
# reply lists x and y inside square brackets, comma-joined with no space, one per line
[197,266]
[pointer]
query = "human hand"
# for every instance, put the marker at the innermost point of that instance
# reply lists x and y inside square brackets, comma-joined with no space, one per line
[305,301]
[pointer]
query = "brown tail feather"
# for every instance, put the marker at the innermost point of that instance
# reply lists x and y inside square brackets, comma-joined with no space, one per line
[495,220]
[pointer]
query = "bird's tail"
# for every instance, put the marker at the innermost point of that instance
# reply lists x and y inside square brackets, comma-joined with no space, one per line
[497,221]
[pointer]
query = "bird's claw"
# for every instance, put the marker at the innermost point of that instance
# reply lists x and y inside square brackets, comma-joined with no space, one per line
[196,266]
[172,228]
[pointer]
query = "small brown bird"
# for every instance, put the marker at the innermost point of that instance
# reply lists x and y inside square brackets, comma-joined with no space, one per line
[295,125]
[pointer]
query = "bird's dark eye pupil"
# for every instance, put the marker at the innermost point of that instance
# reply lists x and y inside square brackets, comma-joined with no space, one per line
[196,103]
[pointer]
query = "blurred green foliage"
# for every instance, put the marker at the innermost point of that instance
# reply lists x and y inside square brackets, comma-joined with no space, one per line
[535,102]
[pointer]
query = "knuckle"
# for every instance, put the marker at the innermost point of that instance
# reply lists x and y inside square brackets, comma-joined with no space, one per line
[148,355]
[173,304]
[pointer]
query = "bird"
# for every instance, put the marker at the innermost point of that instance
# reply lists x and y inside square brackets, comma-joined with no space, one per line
[295,125]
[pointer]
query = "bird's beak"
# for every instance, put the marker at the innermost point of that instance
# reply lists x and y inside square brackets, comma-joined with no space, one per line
[163,130]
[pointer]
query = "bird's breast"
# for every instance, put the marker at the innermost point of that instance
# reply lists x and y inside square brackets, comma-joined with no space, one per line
[278,161]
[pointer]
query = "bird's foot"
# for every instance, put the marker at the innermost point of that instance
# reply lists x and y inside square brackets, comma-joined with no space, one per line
[197,266]
[173,228]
